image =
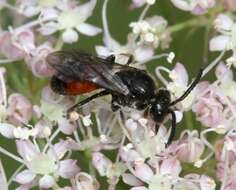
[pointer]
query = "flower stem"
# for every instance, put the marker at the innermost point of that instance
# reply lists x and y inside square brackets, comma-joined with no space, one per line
[144,12]
[14,157]
[3,178]
[4,61]
[213,63]
[198,22]
[15,173]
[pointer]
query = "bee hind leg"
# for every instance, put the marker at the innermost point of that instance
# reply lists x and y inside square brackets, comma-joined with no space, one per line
[85,101]
[114,105]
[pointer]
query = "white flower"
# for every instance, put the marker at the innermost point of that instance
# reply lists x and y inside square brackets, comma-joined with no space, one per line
[184,5]
[223,23]
[194,6]
[170,57]
[179,85]
[70,36]
[46,166]
[101,163]
[74,19]
[226,40]
[24,177]
[85,181]
[143,172]
[6,130]
[71,20]
[150,2]
[160,181]
[190,147]
[21,132]
[131,180]
[87,120]
[140,3]
[46,182]
[149,30]
[219,43]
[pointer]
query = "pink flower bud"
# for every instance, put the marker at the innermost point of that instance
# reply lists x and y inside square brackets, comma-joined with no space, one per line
[129,155]
[171,167]
[19,109]
[24,39]
[223,23]
[9,49]
[101,163]
[26,149]
[190,147]
[219,43]
[223,73]
[46,182]
[60,149]
[230,4]
[6,130]
[131,180]
[143,172]
[209,107]
[68,168]
[25,177]
[43,128]
[37,61]
[181,74]
[70,36]
[207,183]
[84,182]
[66,126]
[137,3]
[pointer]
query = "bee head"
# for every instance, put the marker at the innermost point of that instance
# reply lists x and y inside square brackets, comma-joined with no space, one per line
[160,105]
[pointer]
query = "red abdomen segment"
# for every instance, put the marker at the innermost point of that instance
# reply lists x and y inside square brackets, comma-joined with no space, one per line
[79,87]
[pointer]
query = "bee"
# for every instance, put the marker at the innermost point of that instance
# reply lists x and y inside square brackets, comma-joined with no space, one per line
[78,73]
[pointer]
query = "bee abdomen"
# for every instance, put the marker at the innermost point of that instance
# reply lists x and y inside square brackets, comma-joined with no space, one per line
[58,86]
[72,87]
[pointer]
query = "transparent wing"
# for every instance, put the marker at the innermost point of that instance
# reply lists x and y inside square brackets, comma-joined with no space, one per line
[74,65]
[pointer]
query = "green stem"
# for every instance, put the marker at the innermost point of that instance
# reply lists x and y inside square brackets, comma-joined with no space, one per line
[15,77]
[88,156]
[59,43]
[197,22]
[188,120]
[206,42]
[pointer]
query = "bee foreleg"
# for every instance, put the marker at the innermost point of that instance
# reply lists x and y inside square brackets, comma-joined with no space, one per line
[114,105]
[173,127]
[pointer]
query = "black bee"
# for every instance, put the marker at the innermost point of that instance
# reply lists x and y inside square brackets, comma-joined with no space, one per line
[78,73]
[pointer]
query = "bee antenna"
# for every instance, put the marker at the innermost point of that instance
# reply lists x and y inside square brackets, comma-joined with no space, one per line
[190,88]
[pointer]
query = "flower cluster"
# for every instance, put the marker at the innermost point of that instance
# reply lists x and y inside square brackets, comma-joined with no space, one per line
[95,148]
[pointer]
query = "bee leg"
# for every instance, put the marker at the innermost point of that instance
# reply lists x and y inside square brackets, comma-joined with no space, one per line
[111,58]
[85,101]
[157,126]
[114,104]
[122,116]
[131,58]
[173,127]
[140,105]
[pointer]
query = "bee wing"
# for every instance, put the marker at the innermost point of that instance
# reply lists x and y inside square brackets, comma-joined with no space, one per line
[73,65]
